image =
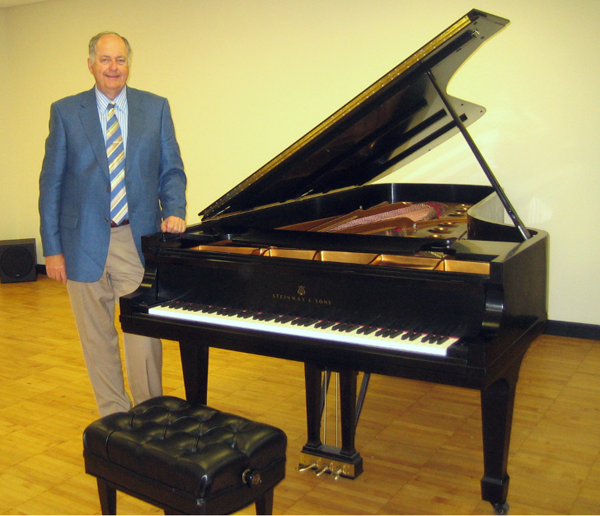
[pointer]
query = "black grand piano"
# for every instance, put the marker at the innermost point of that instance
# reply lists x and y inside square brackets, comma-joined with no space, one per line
[312,258]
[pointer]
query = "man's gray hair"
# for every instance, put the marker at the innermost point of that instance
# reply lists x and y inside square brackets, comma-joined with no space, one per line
[93,46]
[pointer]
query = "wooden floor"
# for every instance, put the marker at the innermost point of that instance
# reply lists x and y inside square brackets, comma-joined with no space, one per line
[421,443]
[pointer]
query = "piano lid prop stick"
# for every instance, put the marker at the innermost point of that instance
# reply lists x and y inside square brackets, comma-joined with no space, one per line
[486,169]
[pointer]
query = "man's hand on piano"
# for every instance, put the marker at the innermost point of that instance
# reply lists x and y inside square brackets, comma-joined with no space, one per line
[55,268]
[173,224]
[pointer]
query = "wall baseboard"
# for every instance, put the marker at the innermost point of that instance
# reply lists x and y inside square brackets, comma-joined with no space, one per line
[557,328]
[573,330]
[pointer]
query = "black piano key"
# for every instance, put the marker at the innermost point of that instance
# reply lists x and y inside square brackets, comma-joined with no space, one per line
[433,339]
[325,324]
[285,318]
[382,327]
[367,330]
[309,322]
[301,321]
[246,314]
[317,323]
[341,327]
[227,311]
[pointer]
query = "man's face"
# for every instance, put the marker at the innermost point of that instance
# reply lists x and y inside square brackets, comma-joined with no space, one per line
[110,67]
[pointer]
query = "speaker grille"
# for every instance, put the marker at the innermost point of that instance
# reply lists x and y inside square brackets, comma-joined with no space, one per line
[16,262]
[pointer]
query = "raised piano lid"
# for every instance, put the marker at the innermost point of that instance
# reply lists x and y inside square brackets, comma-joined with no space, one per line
[394,121]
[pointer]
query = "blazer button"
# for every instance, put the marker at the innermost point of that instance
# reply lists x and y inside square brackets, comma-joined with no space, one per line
[106,220]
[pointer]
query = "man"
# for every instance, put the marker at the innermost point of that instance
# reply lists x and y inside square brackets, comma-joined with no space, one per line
[112,172]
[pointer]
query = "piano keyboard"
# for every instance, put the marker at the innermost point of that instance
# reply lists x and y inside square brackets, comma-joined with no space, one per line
[385,338]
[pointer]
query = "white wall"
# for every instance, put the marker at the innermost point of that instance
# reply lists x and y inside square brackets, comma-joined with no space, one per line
[247,78]
[6,186]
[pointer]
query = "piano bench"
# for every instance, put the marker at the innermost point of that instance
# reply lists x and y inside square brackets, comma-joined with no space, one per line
[184,458]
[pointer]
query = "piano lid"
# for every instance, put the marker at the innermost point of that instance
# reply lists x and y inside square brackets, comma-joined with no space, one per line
[394,121]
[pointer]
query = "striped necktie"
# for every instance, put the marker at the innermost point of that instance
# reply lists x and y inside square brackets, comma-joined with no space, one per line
[115,152]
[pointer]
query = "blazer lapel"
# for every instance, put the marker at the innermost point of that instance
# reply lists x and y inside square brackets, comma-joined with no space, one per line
[135,129]
[91,124]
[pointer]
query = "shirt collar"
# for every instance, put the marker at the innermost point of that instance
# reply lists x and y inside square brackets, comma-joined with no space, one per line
[103,101]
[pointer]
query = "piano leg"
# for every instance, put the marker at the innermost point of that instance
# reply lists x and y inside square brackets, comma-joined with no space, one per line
[348,408]
[312,385]
[194,362]
[497,405]
[344,461]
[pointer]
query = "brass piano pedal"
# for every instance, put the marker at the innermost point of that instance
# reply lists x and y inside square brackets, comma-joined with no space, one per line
[329,460]
[335,469]
[337,473]
[324,469]
[304,467]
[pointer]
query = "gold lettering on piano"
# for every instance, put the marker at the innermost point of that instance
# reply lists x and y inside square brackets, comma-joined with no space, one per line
[302,299]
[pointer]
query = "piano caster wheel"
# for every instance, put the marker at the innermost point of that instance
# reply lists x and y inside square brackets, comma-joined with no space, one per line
[501,508]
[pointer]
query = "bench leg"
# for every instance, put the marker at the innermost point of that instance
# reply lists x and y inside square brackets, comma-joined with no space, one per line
[108,497]
[264,505]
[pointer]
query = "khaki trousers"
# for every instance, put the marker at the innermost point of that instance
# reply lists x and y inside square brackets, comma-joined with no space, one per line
[93,306]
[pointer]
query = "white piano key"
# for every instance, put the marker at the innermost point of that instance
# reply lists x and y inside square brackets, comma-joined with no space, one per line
[418,345]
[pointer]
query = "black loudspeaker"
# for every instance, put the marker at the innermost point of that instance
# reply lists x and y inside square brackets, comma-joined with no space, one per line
[18,260]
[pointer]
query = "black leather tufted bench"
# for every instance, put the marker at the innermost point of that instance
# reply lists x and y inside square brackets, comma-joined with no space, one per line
[183,458]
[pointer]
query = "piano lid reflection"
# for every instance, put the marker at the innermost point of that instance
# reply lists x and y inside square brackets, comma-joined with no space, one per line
[309,260]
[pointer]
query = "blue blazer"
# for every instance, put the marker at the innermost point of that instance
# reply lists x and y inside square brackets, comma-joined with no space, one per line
[75,187]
